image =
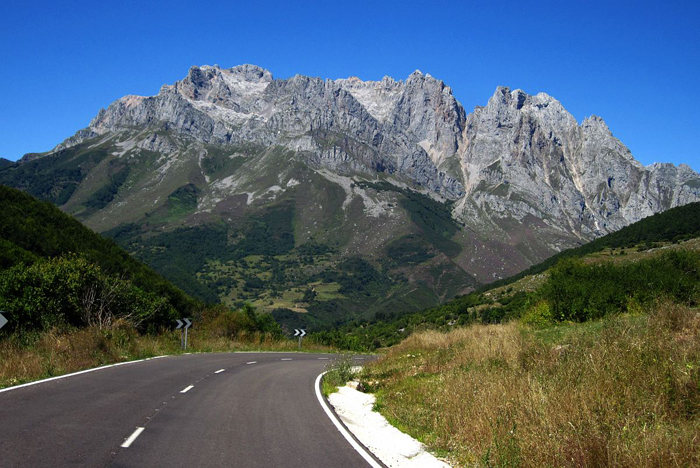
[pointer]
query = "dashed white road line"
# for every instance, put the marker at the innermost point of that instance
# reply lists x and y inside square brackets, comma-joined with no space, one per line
[323,358]
[252,362]
[219,371]
[133,437]
[187,389]
[287,359]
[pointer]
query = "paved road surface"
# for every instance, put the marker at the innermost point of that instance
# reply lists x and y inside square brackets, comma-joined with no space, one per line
[260,411]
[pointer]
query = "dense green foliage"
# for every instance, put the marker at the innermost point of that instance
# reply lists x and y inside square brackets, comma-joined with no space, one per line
[574,291]
[33,232]
[434,219]
[269,233]
[409,250]
[183,200]
[71,291]
[579,292]
[183,252]
[177,254]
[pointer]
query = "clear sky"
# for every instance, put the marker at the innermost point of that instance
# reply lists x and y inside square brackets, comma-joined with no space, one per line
[636,64]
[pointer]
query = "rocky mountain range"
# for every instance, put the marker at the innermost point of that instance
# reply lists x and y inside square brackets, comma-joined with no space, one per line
[429,199]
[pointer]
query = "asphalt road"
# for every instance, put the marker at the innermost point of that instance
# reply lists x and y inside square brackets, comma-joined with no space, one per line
[261,410]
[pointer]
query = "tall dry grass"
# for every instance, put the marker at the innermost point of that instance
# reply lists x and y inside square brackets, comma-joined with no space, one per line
[56,352]
[622,392]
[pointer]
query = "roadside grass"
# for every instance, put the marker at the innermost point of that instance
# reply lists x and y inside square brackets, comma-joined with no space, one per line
[57,352]
[621,391]
[338,373]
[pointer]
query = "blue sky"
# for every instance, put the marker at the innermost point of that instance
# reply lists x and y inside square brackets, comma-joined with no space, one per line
[635,64]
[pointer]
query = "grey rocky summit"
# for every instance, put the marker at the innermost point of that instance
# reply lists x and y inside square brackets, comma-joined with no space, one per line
[521,176]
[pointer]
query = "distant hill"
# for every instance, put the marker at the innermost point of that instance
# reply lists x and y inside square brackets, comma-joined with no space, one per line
[32,231]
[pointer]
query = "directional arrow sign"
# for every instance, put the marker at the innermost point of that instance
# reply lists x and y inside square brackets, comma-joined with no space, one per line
[303,332]
[179,324]
[296,332]
[3,320]
[189,324]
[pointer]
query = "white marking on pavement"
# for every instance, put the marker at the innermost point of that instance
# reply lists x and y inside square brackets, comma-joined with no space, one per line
[287,359]
[324,358]
[252,362]
[219,371]
[187,389]
[344,432]
[133,437]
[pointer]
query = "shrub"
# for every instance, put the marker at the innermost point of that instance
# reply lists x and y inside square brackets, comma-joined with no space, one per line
[539,315]
[579,292]
[338,373]
[71,291]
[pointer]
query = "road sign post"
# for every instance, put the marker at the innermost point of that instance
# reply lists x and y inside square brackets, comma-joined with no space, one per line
[187,326]
[183,337]
[300,334]
[180,323]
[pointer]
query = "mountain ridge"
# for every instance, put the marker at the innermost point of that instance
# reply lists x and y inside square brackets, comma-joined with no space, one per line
[393,171]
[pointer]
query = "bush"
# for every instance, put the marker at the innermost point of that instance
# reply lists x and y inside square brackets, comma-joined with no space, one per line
[338,373]
[71,291]
[539,315]
[579,292]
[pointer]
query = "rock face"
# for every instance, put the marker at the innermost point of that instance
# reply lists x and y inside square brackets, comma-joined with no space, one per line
[520,178]
[519,155]
[526,154]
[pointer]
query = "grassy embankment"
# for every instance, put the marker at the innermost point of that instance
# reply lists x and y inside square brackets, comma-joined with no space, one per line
[599,367]
[618,392]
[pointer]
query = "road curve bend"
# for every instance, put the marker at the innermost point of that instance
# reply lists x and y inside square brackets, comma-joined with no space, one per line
[201,410]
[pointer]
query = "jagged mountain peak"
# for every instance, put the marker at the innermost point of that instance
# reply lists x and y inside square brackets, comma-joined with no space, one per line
[518,99]
[520,155]
[595,122]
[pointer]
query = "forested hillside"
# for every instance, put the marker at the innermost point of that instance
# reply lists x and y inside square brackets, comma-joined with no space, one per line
[54,271]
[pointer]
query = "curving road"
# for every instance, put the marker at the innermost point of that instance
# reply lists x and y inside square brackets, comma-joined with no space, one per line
[201,410]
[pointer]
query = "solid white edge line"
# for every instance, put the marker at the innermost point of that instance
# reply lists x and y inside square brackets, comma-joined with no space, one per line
[187,389]
[219,371]
[28,384]
[133,437]
[358,448]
